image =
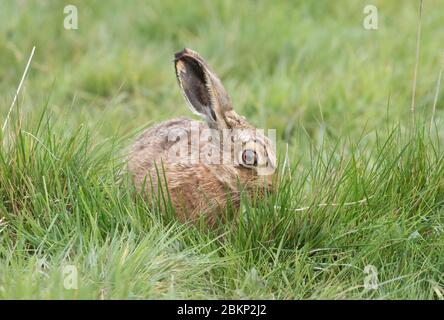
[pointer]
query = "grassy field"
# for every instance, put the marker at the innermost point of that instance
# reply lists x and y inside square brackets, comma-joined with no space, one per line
[339,96]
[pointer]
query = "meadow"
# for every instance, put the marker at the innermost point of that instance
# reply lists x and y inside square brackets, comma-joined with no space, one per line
[359,213]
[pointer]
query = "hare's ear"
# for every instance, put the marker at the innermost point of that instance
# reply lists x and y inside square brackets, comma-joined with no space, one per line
[202,89]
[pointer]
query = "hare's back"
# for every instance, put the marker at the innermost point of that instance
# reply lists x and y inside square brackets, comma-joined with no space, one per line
[154,143]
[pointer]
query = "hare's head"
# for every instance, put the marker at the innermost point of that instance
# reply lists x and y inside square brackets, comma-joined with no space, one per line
[251,152]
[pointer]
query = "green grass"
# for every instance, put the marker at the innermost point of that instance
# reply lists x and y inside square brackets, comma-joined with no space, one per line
[338,95]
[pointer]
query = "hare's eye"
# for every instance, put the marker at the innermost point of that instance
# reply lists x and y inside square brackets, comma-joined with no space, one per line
[249,157]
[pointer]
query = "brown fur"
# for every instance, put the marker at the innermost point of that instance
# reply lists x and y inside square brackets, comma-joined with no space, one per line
[199,188]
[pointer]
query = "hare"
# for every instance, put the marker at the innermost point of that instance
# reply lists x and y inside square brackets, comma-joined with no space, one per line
[204,165]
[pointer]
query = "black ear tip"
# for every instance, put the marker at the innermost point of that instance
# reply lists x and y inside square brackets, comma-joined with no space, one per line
[181,54]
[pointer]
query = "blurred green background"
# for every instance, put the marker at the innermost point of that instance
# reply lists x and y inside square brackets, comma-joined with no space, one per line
[287,64]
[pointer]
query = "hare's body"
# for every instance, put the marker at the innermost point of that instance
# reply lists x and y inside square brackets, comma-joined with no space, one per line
[194,188]
[189,157]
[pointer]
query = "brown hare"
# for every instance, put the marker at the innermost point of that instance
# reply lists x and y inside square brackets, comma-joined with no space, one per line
[204,165]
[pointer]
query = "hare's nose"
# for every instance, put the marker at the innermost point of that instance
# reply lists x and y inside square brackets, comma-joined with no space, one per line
[268,182]
[271,182]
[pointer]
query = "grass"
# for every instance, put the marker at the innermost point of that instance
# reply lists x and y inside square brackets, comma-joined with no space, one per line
[338,95]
